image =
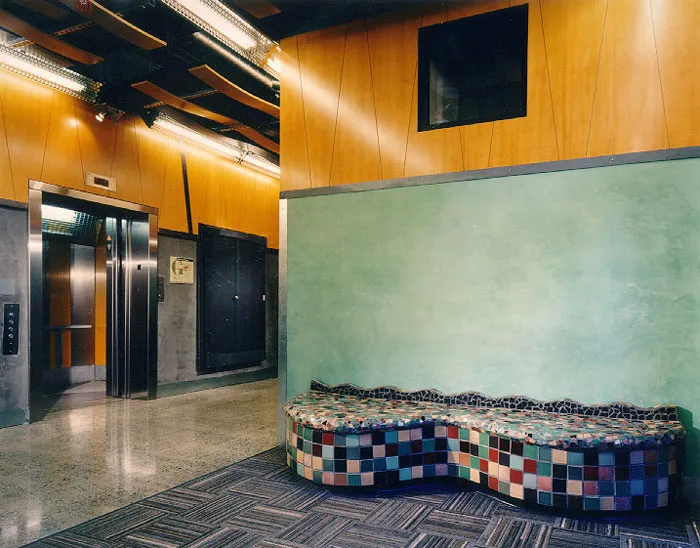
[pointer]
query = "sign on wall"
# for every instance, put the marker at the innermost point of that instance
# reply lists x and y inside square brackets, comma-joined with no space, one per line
[181,270]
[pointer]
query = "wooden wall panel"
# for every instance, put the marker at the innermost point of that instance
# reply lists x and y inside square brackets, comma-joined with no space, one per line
[392,82]
[7,191]
[321,66]
[573,33]
[24,100]
[294,162]
[531,138]
[604,77]
[152,152]
[125,163]
[356,147]
[439,150]
[172,213]
[96,141]
[639,119]
[62,159]
[676,24]
[600,138]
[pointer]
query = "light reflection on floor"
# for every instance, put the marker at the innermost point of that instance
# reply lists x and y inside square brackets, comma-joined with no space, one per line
[84,462]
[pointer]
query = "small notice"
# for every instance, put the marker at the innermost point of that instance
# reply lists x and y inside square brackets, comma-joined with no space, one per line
[181,270]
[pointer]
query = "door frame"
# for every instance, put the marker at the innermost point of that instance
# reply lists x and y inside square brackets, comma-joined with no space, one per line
[35,251]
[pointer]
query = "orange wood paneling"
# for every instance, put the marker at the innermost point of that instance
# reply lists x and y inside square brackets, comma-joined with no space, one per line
[439,150]
[600,138]
[23,100]
[7,190]
[356,148]
[676,24]
[604,77]
[96,141]
[531,138]
[62,158]
[152,153]
[125,163]
[321,66]
[172,213]
[573,33]
[640,122]
[633,118]
[393,77]
[294,157]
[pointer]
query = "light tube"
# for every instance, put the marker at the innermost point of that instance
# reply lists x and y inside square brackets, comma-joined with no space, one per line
[193,137]
[60,214]
[255,161]
[42,71]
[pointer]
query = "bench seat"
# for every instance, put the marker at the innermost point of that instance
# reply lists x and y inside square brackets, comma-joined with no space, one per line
[562,454]
[350,414]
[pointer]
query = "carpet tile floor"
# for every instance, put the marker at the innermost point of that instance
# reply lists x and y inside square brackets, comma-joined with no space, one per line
[259,503]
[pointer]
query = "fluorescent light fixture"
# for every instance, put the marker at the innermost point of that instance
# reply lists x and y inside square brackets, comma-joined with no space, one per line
[235,59]
[261,164]
[179,131]
[224,24]
[240,154]
[48,73]
[60,214]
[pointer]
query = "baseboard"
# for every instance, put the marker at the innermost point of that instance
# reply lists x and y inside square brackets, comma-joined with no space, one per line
[185,387]
[12,417]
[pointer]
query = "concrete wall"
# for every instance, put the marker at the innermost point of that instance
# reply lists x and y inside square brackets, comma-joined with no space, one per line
[14,370]
[579,284]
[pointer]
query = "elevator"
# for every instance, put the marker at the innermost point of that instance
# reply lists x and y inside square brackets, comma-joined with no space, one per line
[92,299]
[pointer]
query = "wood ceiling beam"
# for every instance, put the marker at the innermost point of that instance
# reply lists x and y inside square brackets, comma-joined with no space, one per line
[215,80]
[21,28]
[167,98]
[117,25]
[43,7]
[257,8]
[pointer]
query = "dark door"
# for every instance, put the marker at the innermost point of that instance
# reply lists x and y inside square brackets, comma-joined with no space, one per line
[231,288]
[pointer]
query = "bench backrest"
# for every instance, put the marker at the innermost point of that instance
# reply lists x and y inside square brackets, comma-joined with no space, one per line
[476,399]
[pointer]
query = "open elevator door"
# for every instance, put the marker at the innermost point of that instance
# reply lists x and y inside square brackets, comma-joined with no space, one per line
[131,296]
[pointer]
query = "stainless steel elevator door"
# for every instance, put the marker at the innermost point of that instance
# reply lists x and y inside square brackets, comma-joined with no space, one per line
[127,306]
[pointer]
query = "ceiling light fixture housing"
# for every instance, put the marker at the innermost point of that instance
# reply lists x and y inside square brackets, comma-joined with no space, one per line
[242,153]
[227,26]
[48,73]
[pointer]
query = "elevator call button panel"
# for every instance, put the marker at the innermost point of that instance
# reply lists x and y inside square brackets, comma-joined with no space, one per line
[10,332]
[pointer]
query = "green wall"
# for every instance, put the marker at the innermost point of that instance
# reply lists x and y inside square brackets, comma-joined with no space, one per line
[582,284]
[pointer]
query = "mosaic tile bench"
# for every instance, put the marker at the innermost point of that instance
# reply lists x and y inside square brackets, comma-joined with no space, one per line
[614,457]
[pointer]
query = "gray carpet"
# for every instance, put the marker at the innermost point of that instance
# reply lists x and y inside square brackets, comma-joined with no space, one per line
[259,503]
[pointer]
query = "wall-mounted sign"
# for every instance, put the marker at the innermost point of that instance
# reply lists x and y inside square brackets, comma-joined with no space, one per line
[181,270]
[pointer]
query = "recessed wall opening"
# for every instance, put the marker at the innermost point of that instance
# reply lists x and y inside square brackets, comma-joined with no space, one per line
[92,317]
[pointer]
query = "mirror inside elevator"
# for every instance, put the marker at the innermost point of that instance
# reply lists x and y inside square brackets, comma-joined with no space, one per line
[92,277]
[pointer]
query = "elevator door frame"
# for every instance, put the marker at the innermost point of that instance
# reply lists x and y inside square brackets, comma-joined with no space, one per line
[35,312]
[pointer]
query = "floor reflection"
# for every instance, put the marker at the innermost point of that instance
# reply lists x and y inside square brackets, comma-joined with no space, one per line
[80,463]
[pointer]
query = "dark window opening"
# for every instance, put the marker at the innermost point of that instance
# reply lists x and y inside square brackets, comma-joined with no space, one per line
[473,69]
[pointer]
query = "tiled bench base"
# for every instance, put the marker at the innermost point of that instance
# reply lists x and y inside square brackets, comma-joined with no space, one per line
[601,479]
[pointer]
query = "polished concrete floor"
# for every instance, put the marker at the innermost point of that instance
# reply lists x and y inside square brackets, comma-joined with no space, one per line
[80,463]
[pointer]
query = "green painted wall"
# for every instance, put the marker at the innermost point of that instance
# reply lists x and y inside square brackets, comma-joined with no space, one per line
[582,284]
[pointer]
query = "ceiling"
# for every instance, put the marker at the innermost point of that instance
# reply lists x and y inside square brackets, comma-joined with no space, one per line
[139,73]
